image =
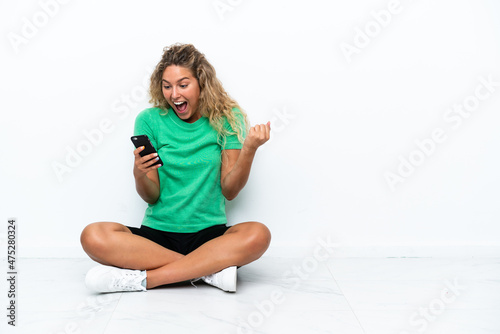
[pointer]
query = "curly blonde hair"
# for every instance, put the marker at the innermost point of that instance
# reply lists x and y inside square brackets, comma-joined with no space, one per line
[214,102]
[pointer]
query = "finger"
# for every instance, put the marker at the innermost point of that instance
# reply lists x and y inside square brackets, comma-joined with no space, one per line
[148,157]
[147,166]
[264,130]
[139,149]
[152,162]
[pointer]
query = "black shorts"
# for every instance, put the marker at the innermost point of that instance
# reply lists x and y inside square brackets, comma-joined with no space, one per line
[183,243]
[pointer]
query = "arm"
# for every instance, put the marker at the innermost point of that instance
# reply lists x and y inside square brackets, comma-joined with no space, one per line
[147,182]
[236,164]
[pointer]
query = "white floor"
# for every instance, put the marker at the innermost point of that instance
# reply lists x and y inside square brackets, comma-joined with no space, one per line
[275,295]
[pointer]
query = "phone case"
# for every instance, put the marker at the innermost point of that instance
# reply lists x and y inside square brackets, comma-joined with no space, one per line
[143,140]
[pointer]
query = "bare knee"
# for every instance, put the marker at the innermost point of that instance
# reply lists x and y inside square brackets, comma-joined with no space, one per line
[91,238]
[95,237]
[258,238]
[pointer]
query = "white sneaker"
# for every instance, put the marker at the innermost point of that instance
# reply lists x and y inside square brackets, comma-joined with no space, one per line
[112,279]
[224,279]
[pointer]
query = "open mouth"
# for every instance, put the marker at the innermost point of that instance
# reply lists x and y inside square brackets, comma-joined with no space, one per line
[180,106]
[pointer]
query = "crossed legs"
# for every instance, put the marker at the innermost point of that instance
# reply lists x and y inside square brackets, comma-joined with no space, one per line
[114,244]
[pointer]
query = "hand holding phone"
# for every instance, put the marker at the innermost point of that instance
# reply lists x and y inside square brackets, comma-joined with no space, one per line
[143,140]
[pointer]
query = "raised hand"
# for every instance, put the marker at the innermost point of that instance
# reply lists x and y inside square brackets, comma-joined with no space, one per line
[257,136]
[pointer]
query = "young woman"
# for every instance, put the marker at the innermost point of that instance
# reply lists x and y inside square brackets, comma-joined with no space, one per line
[207,149]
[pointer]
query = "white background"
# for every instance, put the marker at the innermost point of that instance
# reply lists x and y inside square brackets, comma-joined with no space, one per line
[340,123]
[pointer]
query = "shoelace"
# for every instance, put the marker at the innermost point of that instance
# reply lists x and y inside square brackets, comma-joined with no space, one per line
[129,281]
[195,280]
[206,279]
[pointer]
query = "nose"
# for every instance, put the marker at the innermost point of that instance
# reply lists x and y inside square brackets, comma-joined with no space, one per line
[175,93]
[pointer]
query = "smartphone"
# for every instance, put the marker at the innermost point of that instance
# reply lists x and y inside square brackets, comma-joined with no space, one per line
[143,140]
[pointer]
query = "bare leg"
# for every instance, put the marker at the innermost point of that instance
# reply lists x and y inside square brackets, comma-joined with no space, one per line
[240,245]
[114,244]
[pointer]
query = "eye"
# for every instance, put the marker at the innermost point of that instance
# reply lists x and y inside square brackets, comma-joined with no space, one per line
[184,86]
[166,87]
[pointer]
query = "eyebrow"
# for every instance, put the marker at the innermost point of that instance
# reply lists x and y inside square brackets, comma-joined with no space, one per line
[177,80]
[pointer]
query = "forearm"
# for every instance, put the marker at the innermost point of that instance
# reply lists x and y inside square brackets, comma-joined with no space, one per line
[147,189]
[236,179]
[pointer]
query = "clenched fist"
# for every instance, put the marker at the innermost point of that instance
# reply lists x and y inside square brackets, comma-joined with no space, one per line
[257,135]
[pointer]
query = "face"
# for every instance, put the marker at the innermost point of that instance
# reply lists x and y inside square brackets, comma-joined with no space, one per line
[182,91]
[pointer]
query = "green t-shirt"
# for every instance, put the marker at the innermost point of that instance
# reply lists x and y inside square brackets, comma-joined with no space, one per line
[190,192]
